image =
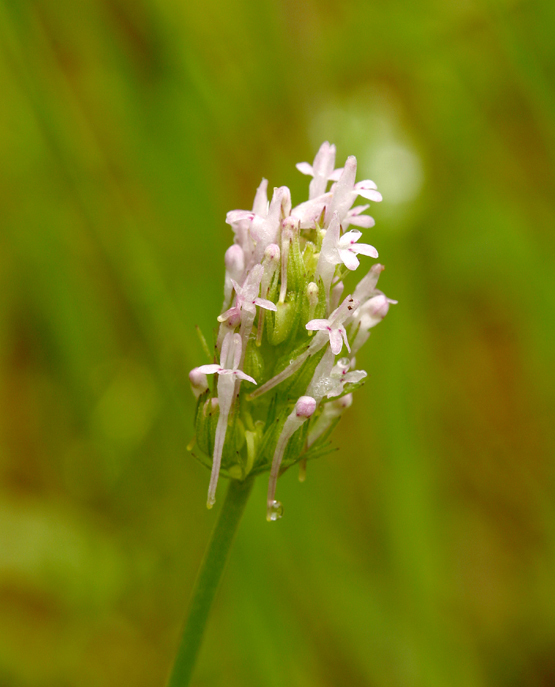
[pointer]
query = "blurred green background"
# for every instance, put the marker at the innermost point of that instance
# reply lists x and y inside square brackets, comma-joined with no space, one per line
[422,552]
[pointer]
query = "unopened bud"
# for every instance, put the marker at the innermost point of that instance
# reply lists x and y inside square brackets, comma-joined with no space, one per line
[312,294]
[305,406]
[374,311]
[199,383]
[345,401]
[210,407]
[271,254]
[235,261]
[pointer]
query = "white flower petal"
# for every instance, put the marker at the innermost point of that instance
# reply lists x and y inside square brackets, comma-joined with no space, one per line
[349,238]
[364,221]
[242,375]
[336,341]
[315,325]
[310,211]
[358,210]
[238,215]
[345,339]
[263,303]
[343,194]
[366,184]
[209,369]
[349,259]
[354,376]
[305,168]
[260,205]
[365,249]
[376,196]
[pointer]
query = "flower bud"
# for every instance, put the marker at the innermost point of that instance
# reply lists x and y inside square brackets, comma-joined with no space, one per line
[305,406]
[345,401]
[199,382]
[312,294]
[235,261]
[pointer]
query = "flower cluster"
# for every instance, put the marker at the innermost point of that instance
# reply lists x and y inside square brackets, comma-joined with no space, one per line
[278,388]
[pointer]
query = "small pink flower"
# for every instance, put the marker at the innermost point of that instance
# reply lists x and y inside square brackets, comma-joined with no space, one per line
[247,296]
[348,249]
[340,376]
[322,170]
[337,248]
[230,357]
[346,191]
[334,325]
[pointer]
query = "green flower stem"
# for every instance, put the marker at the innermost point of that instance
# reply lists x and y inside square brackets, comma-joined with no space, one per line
[208,579]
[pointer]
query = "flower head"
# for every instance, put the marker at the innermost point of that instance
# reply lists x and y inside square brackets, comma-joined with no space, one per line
[284,322]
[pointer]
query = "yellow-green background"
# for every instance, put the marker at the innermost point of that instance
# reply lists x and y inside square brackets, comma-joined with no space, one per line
[422,552]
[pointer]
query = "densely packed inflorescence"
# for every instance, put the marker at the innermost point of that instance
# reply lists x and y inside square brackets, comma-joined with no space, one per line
[278,389]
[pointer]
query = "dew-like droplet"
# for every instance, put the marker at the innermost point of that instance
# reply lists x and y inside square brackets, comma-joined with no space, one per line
[275,511]
[345,363]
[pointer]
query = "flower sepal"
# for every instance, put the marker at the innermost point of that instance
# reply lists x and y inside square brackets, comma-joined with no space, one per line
[254,364]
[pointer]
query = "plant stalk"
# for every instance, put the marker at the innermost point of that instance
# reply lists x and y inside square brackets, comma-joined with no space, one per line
[208,580]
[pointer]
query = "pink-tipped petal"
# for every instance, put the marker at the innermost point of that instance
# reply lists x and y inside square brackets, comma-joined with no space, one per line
[209,369]
[349,259]
[305,406]
[366,184]
[238,215]
[315,325]
[349,238]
